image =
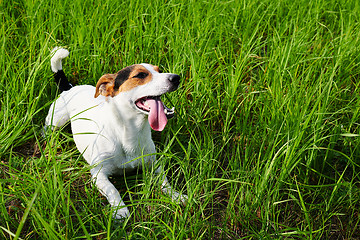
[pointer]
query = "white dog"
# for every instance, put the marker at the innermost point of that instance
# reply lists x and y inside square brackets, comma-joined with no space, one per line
[111,123]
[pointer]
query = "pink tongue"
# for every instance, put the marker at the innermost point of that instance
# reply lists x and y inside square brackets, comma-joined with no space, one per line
[157,117]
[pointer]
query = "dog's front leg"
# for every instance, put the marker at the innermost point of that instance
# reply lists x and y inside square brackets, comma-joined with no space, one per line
[167,189]
[112,194]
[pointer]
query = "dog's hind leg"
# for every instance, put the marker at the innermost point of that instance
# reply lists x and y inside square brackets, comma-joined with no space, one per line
[58,114]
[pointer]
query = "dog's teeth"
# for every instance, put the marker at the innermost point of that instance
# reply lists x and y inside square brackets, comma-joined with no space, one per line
[165,111]
[173,109]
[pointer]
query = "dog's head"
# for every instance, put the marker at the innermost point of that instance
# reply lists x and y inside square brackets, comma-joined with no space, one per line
[143,84]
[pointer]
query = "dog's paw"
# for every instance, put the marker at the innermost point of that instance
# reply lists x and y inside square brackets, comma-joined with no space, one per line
[121,214]
[183,199]
[179,198]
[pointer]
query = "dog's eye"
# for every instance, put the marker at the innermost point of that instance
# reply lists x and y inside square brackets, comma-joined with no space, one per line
[141,75]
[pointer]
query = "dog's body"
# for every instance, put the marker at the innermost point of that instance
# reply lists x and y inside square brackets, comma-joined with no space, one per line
[112,122]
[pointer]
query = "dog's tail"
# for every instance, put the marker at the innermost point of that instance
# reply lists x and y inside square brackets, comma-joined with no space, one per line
[59,75]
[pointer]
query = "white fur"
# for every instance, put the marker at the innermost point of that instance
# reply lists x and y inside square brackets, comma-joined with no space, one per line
[58,55]
[111,132]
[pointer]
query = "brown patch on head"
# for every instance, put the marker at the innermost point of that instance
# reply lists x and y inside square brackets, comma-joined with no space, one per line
[124,80]
[139,75]
[105,86]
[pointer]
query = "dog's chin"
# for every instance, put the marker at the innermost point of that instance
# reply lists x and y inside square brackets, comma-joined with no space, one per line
[143,106]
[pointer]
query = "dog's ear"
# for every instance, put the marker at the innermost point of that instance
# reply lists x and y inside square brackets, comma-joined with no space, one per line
[105,86]
[109,84]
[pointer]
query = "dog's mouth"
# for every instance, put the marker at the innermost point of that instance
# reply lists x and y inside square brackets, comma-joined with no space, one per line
[158,113]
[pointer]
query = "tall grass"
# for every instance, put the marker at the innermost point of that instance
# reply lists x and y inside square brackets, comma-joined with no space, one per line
[266,138]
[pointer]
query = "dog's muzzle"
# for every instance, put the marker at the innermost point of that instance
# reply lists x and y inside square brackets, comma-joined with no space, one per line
[157,112]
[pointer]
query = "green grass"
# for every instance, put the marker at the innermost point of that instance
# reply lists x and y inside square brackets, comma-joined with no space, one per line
[266,142]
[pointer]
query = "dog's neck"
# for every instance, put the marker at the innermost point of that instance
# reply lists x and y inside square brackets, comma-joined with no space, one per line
[132,125]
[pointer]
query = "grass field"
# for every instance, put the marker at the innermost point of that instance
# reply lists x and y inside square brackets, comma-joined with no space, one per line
[266,142]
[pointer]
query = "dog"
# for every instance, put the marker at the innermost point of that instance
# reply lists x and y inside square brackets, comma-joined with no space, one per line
[111,123]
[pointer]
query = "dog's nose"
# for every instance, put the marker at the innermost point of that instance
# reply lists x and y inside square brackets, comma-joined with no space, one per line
[175,79]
